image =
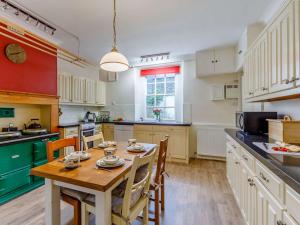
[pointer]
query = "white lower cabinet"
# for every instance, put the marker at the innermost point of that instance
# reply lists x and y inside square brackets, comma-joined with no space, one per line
[258,192]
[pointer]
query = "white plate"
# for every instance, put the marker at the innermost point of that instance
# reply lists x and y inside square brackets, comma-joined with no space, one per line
[103,145]
[111,160]
[101,163]
[83,157]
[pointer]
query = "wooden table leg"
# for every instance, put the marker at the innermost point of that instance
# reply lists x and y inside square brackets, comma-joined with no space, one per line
[52,203]
[103,208]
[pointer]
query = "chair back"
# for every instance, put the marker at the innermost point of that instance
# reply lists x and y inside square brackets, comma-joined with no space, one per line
[138,186]
[53,146]
[95,138]
[161,162]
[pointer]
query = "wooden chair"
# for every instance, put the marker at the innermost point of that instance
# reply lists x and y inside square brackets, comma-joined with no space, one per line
[158,181]
[72,197]
[127,205]
[96,137]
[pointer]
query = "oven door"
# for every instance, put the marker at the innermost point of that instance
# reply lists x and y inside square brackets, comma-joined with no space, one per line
[86,133]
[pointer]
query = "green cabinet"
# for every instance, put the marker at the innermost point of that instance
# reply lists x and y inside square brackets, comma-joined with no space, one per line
[16,161]
[15,156]
[14,180]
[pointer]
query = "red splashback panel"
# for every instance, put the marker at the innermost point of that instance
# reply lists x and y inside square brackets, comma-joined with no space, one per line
[37,75]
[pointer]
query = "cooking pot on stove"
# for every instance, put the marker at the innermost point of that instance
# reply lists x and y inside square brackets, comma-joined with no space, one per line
[33,124]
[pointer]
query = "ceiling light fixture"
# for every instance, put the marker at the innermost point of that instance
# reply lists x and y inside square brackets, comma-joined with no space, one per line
[114,61]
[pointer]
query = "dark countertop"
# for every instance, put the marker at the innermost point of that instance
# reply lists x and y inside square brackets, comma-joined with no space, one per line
[14,140]
[285,167]
[66,125]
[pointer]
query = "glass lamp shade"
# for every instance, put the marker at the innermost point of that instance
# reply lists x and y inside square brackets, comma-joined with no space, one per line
[114,62]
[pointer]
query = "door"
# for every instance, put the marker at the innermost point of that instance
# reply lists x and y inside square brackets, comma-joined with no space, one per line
[281,40]
[100,93]
[65,87]
[78,89]
[90,91]
[205,62]
[224,60]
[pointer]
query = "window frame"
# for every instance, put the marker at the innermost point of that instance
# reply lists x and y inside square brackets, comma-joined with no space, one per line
[165,94]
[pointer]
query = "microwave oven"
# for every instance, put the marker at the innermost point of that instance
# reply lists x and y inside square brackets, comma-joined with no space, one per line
[254,122]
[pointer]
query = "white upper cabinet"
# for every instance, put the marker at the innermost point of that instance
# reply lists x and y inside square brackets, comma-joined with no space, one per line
[215,61]
[248,37]
[64,86]
[90,91]
[100,93]
[281,41]
[78,89]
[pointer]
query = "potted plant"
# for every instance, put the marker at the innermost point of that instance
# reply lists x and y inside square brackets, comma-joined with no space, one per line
[157,112]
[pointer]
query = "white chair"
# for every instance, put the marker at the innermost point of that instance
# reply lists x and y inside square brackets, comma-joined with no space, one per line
[130,198]
[97,139]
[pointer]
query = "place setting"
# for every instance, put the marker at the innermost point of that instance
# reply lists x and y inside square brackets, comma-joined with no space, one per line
[72,160]
[134,147]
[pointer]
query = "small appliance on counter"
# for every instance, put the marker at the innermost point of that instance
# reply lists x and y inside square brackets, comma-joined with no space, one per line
[89,117]
[104,116]
[34,127]
[254,122]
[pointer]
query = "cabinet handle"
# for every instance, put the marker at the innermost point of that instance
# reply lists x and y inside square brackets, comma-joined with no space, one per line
[264,89]
[46,139]
[233,146]
[240,52]
[245,158]
[213,61]
[229,152]
[237,163]
[15,156]
[286,81]
[264,177]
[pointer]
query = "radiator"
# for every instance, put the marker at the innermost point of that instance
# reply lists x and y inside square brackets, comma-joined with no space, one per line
[211,140]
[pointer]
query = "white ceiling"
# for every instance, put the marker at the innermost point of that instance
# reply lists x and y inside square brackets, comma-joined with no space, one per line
[152,26]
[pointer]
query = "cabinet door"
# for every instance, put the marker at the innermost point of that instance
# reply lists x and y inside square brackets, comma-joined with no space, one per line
[287,220]
[205,62]
[143,137]
[78,89]
[64,87]
[224,61]
[90,91]
[281,40]
[263,78]
[229,164]
[177,145]
[100,93]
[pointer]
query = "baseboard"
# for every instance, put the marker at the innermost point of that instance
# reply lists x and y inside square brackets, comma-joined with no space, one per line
[218,158]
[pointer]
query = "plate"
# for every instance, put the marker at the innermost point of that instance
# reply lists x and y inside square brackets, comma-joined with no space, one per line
[101,163]
[103,145]
[111,160]
[83,157]
[135,148]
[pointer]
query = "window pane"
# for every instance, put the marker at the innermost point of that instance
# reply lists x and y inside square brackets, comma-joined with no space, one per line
[160,78]
[170,101]
[150,114]
[170,78]
[150,101]
[150,79]
[160,88]
[170,88]
[160,101]
[150,89]
[169,114]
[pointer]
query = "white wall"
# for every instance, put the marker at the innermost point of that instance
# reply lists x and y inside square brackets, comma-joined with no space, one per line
[120,96]
[73,114]
[287,107]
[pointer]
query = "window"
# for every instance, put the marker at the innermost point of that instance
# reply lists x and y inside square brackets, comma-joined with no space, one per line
[161,95]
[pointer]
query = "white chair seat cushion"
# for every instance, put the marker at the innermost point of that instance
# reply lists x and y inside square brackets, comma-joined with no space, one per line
[74,194]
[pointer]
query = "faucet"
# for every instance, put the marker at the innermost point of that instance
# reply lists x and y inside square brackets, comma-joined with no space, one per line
[141,118]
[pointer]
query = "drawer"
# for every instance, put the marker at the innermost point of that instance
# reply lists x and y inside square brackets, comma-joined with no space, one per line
[234,147]
[168,129]
[108,126]
[143,127]
[71,131]
[40,149]
[273,183]
[15,156]
[14,180]
[292,202]
[247,158]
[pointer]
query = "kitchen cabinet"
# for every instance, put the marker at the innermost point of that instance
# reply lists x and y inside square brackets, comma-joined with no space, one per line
[215,61]
[258,191]
[98,128]
[90,90]
[78,89]
[108,131]
[100,93]
[178,146]
[64,87]
[69,132]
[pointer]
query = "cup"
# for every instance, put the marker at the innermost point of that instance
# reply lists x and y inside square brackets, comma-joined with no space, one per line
[131,141]
[109,151]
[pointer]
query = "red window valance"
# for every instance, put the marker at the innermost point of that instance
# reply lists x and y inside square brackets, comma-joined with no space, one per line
[160,70]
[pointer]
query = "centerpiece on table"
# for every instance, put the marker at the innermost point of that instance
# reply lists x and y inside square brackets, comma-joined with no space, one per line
[157,113]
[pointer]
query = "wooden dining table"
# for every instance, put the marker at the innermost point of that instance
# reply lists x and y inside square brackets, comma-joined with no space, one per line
[86,178]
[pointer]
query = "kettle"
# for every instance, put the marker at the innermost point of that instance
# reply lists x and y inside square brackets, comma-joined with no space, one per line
[33,124]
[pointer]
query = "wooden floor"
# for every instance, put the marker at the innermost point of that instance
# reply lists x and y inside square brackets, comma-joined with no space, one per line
[196,194]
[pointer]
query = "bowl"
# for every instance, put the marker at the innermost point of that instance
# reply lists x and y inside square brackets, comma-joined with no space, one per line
[109,151]
[111,159]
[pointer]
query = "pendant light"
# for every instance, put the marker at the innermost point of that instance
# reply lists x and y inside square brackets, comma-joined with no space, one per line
[114,61]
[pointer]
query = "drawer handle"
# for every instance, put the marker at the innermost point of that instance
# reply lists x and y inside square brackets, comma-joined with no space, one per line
[15,156]
[229,152]
[233,146]
[46,139]
[264,177]
[237,163]
[245,158]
